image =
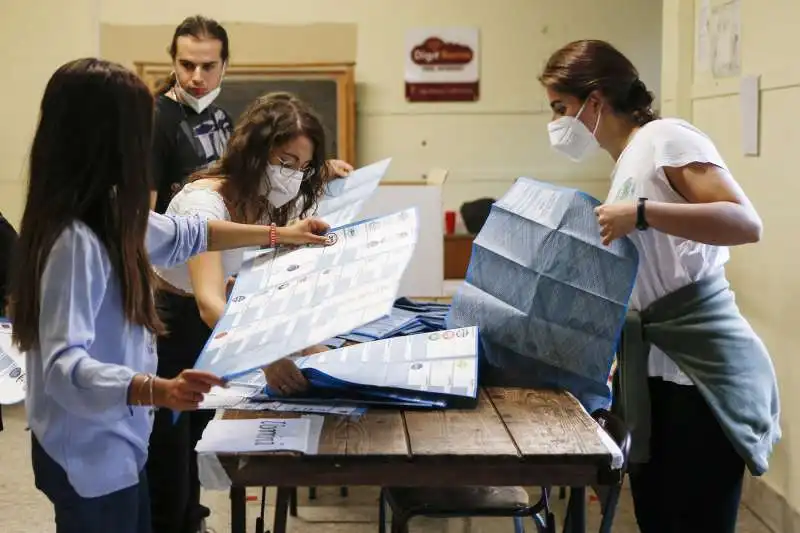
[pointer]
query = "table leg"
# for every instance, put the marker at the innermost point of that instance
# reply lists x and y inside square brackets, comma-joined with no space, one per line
[282,499]
[576,511]
[238,498]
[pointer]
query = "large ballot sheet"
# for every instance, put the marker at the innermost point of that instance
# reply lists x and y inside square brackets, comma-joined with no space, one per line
[344,198]
[12,368]
[285,300]
[548,297]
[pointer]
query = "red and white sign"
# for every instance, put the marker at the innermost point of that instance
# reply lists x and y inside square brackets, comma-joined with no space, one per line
[442,65]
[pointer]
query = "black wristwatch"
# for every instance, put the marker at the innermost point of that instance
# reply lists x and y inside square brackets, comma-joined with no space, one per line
[641,220]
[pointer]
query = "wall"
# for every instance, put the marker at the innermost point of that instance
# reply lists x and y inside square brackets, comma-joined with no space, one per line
[486,144]
[764,275]
[32,45]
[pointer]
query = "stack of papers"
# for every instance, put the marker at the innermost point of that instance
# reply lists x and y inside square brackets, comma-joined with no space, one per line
[288,299]
[12,368]
[407,318]
[241,395]
[429,370]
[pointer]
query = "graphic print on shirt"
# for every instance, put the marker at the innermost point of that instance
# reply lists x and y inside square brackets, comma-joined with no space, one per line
[626,191]
[208,138]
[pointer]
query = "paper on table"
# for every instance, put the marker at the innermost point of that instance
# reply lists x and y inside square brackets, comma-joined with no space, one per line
[442,362]
[12,368]
[287,300]
[212,474]
[345,197]
[256,435]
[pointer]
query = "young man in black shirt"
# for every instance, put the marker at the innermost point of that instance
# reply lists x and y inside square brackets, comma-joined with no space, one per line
[190,132]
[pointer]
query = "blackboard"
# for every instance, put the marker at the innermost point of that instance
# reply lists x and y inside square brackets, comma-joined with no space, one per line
[321,94]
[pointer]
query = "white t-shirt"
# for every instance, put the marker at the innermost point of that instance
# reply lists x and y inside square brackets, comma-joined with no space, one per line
[666,262]
[195,199]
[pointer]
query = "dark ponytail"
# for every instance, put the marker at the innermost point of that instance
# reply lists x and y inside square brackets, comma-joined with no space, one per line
[165,84]
[582,67]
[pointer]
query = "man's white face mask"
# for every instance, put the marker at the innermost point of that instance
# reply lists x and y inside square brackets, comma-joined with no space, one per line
[572,138]
[284,185]
[198,104]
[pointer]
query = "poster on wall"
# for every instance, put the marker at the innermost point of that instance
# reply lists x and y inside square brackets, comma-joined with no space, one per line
[442,65]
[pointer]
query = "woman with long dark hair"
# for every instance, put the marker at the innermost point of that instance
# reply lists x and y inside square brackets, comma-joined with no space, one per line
[83,299]
[273,171]
[191,131]
[696,383]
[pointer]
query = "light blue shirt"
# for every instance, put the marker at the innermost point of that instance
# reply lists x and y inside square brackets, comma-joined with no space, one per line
[78,377]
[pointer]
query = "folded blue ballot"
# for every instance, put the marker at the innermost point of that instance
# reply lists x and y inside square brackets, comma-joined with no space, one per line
[429,370]
[407,317]
[549,298]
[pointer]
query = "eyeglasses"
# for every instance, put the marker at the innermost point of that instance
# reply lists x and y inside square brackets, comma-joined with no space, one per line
[288,170]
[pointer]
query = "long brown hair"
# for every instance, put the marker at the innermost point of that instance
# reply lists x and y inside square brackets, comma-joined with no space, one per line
[88,163]
[269,122]
[199,27]
[582,67]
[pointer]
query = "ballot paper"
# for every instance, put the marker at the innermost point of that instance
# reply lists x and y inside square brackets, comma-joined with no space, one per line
[438,369]
[549,298]
[12,368]
[345,197]
[256,435]
[290,298]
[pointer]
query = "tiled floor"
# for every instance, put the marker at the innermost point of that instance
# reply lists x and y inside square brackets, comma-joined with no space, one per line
[24,510]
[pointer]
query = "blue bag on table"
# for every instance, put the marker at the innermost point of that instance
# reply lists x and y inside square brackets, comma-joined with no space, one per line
[547,296]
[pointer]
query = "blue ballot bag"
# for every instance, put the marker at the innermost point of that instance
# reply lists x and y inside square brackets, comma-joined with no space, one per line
[548,297]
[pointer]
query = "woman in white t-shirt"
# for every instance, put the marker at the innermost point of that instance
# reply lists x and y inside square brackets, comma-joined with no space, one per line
[272,172]
[673,195]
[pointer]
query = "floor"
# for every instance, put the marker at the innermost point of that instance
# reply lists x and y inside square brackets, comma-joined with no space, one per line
[24,510]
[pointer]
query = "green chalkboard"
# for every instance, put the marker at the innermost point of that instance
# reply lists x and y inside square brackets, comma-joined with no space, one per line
[321,94]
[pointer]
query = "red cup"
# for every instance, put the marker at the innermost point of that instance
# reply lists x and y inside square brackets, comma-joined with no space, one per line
[450,222]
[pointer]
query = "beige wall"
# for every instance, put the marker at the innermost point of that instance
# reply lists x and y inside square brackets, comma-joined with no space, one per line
[485,145]
[32,45]
[764,275]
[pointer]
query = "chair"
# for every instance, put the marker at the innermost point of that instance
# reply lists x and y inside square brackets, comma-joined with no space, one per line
[610,482]
[406,503]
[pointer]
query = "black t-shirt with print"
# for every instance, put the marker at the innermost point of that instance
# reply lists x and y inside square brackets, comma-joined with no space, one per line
[184,141]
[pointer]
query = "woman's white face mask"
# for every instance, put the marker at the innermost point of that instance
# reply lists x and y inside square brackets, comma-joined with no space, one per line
[282,189]
[572,138]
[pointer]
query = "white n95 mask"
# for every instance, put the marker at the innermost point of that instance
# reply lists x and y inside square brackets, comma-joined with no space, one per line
[282,188]
[572,138]
[198,104]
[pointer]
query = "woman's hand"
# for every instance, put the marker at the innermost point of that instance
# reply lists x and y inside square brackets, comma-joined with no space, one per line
[284,376]
[306,231]
[616,220]
[185,392]
[338,168]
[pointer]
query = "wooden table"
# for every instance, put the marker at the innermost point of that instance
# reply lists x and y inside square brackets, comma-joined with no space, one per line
[514,437]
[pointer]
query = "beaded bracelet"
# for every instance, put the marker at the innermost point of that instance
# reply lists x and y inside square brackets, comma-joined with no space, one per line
[152,397]
[273,235]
